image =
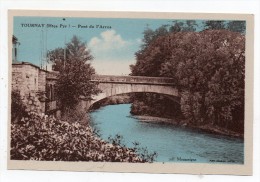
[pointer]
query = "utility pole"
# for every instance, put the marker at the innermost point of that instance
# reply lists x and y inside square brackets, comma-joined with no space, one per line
[64,51]
[64,19]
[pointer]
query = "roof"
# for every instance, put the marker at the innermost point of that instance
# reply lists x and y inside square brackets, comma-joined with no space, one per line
[27,63]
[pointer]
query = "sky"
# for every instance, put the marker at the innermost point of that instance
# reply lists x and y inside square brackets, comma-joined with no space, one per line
[113,42]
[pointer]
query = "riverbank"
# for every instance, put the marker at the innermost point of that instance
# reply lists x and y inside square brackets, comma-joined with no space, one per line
[204,128]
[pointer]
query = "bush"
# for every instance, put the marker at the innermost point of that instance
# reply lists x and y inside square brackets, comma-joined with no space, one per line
[144,153]
[75,115]
[141,151]
[48,139]
[17,106]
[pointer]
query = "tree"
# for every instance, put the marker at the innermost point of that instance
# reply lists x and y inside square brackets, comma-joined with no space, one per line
[75,72]
[237,26]
[191,26]
[176,26]
[57,57]
[152,52]
[150,35]
[215,24]
[150,58]
[209,68]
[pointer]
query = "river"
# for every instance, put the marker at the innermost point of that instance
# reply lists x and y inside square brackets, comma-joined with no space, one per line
[172,143]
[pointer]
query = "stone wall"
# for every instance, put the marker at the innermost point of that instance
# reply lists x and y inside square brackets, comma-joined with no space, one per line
[24,78]
[30,81]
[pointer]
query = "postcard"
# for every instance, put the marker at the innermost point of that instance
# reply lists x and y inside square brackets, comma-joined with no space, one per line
[131,92]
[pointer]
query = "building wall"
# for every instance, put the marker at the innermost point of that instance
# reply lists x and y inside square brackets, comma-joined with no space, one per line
[30,81]
[24,78]
[42,80]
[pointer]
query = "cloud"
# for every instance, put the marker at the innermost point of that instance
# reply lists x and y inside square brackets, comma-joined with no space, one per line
[113,67]
[107,41]
[112,53]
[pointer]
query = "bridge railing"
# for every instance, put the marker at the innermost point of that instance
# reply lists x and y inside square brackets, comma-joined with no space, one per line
[133,79]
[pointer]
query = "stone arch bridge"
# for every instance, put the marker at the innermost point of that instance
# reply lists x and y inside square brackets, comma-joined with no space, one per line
[114,85]
[34,82]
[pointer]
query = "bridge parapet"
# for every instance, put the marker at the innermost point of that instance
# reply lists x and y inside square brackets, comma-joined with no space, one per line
[133,80]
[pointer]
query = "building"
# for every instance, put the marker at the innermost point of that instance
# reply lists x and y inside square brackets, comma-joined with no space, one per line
[36,87]
[15,44]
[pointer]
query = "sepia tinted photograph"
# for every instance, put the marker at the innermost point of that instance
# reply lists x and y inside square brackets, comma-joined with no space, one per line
[131,92]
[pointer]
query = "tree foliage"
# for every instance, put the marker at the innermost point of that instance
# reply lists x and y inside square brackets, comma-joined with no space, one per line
[234,26]
[237,26]
[183,26]
[209,67]
[74,65]
[215,25]
[153,104]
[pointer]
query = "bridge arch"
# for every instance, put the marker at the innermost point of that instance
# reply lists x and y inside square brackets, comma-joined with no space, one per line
[95,103]
[109,90]
[115,85]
